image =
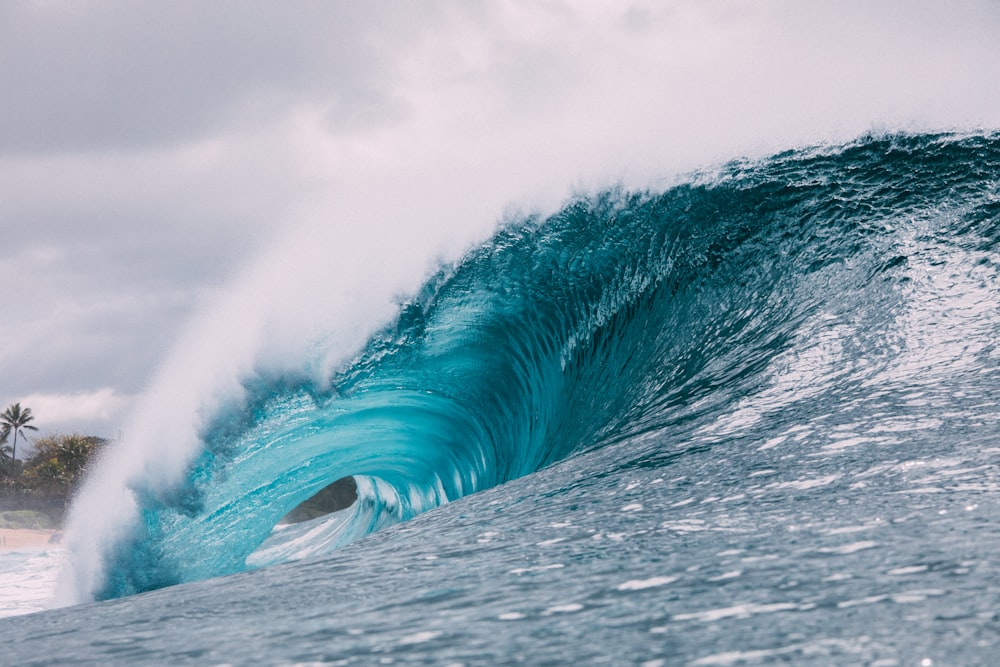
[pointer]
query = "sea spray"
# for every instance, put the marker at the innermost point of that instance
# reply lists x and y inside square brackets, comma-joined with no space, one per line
[301,311]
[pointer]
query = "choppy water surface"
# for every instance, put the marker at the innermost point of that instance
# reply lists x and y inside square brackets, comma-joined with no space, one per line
[28,580]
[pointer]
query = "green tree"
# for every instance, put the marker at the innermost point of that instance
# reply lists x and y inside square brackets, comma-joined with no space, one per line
[57,465]
[6,460]
[15,420]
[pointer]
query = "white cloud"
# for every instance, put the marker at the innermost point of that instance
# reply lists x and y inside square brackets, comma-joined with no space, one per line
[67,413]
[148,151]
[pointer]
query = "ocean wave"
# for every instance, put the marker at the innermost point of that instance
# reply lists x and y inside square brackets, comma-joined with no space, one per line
[623,314]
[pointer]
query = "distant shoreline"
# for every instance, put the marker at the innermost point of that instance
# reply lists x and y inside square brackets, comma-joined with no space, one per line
[21,539]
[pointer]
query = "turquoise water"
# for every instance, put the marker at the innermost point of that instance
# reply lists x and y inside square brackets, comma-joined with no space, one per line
[751,419]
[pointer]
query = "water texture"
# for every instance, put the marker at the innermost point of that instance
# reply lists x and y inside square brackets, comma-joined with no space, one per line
[750,419]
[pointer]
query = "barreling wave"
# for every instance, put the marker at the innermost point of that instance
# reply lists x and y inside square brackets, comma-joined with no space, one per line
[622,314]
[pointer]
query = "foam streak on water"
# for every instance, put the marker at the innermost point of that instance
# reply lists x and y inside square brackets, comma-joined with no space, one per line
[28,580]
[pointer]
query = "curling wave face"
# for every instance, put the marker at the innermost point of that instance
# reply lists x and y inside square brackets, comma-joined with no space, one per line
[624,314]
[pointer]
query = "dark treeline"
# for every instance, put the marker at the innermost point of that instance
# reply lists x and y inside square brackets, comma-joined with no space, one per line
[46,480]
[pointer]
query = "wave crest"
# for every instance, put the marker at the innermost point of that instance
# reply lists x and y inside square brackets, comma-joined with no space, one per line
[622,314]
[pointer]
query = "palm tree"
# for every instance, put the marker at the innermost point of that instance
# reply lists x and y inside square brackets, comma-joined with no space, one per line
[15,420]
[6,462]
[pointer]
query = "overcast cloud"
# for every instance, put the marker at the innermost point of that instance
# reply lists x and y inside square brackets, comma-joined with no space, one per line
[154,154]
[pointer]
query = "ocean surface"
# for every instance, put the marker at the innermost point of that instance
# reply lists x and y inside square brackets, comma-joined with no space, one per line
[752,418]
[28,580]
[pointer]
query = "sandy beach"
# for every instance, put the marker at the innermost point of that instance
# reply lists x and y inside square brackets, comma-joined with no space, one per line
[22,538]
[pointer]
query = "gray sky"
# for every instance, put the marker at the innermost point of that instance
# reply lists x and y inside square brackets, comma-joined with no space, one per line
[163,160]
